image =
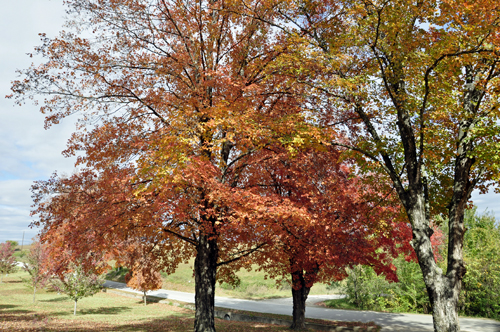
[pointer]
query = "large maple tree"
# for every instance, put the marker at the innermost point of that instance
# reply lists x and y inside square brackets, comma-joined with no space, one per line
[173,99]
[415,84]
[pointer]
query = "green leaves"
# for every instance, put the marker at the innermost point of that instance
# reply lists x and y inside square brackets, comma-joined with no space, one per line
[481,284]
[78,283]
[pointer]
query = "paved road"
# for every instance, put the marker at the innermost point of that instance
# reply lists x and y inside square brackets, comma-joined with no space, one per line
[388,321]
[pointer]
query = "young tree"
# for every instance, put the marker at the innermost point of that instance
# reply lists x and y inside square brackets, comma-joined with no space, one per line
[143,275]
[419,83]
[36,265]
[144,279]
[7,260]
[176,99]
[78,283]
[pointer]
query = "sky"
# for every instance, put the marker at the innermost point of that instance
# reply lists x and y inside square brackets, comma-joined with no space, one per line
[28,152]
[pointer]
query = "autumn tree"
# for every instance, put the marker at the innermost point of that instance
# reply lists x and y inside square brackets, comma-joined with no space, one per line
[144,280]
[144,268]
[332,223]
[7,260]
[417,86]
[36,265]
[174,98]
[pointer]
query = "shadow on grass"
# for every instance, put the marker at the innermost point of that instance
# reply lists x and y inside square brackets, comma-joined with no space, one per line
[103,311]
[57,299]
[7,306]
[84,312]
[12,281]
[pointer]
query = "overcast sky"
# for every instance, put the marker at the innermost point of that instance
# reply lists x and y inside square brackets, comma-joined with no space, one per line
[27,151]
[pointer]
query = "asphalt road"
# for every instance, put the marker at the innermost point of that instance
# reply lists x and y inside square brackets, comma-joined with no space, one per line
[388,321]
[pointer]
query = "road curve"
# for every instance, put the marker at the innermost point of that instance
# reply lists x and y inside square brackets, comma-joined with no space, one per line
[388,321]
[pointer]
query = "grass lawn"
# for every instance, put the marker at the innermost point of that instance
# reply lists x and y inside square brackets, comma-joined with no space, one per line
[253,286]
[102,312]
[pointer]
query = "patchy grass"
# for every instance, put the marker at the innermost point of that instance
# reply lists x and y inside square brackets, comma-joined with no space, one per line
[102,312]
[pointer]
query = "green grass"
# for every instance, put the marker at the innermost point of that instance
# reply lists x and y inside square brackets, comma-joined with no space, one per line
[102,312]
[108,312]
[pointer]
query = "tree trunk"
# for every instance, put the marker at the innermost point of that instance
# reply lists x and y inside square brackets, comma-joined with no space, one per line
[145,303]
[299,294]
[34,292]
[443,289]
[205,269]
[74,311]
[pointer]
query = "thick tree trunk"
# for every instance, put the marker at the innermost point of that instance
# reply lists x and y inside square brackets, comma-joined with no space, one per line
[205,269]
[299,294]
[34,292]
[74,311]
[443,289]
[145,299]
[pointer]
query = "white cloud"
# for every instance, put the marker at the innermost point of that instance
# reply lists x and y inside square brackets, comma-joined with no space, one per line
[487,202]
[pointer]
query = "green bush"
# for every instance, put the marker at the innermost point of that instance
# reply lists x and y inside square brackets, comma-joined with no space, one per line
[481,285]
[369,291]
[365,289]
[410,293]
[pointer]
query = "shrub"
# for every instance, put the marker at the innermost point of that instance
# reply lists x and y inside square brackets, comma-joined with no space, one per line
[481,285]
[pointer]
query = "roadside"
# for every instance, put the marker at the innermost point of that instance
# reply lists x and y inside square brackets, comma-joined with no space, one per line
[388,321]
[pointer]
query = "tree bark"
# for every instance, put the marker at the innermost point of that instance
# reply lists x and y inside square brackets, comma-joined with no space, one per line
[443,289]
[299,294]
[145,298]
[34,292]
[74,311]
[205,269]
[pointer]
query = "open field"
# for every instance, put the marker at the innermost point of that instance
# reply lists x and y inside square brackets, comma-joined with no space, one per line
[102,312]
[253,286]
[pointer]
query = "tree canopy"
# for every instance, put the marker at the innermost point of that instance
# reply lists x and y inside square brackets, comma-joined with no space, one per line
[179,103]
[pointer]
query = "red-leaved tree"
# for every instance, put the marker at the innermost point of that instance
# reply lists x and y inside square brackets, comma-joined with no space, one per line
[7,260]
[328,222]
